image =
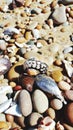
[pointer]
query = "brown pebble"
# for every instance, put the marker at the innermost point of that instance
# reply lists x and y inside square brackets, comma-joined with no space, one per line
[10,118]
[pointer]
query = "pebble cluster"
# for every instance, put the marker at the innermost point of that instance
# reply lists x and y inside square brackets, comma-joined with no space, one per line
[36,65]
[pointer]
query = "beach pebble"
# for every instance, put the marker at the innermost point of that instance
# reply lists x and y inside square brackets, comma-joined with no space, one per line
[59,15]
[20,121]
[51,112]
[64,85]
[34,118]
[56,104]
[10,118]
[69,94]
[5,125]
[25,102]
[36,33]
[40,101]
[57,75]
[69,113]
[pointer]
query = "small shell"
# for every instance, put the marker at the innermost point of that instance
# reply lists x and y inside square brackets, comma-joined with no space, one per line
[59,126]
[68,68]
[14,110]
[11,30]
[4,65]
[46,124]
[5,89]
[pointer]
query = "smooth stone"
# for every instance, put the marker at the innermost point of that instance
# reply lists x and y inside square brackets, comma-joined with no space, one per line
[25,103]
[67,127]
[40,101]
[57,75]
[51,112]
[69,95]
[69,113]
[34,118]
[64,85]
[20,121]
[59,15]
[56,104]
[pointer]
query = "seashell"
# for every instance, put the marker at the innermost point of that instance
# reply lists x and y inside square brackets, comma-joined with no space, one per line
[14,110]
[36,33]
[4,65]
[5,89]
[2,100]
[11,30]
[59,126]
[67,50]
[5,105]
[46,124]
[35,64]
[19,45]
[47,84]
[68,68]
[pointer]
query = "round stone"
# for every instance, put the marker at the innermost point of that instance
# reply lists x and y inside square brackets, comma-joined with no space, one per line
[40,101]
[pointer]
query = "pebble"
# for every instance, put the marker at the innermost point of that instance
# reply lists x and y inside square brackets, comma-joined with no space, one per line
[20,121]
[57,75]
[5,125]
[27,82]
[64,85]
[69,95]
[51,112]
[69,113]
[56,104]
[34,118]
[2,100]
[10,118]
[59,15]
[25,103]
[40,101]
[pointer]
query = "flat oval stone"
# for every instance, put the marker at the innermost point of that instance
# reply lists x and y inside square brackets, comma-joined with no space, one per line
[56,104]
[64,85]
[40,101]
[69,95]
[25,102]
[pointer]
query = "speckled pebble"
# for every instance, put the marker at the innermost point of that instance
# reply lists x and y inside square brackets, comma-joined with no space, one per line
[25,102]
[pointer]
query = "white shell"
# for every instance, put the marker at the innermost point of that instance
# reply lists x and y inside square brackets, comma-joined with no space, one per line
[5,105]
[68,68]
[14,110]
[14,30]
[4,99]
[6,89]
